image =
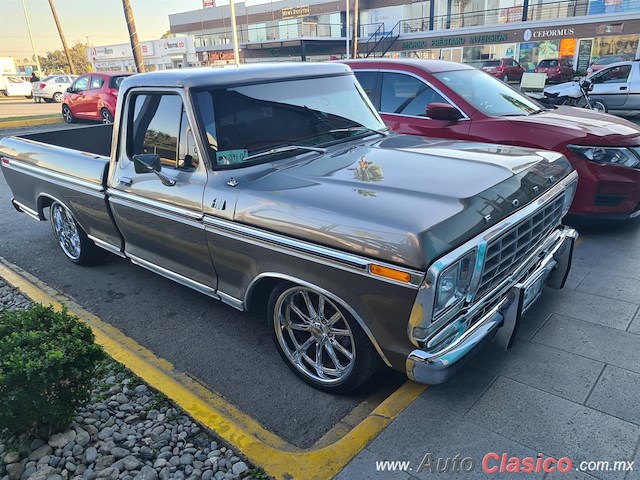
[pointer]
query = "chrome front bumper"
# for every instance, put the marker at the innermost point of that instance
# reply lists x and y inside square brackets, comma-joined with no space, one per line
[501,321]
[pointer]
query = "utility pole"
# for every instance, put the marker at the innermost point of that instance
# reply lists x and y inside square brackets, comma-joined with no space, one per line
[133,36]
[33,45]
[355,28]
[64,42]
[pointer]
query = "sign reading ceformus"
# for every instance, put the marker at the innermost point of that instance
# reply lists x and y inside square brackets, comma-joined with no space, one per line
[552,32]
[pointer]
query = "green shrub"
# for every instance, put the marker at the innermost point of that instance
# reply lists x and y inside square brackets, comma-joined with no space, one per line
[47,363]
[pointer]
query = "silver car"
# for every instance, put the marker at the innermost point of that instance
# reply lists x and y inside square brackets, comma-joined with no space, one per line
[52,88]
[616,87]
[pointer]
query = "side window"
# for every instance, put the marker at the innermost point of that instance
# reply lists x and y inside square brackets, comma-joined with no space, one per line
[156,127]
[407,95]
[96,83]
[366,80]
[618,74]
[81,84]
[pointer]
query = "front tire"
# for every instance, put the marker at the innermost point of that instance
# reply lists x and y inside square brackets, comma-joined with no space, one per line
[72,239]
[106,116]
[319,340]
[67,114]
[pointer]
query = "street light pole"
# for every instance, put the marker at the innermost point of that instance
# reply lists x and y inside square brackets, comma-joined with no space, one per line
[348,24]
[33,45]
[236,51]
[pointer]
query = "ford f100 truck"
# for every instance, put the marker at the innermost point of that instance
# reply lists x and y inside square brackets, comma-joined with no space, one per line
[282,182]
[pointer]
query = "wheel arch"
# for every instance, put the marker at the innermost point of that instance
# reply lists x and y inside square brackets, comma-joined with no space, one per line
[262,285]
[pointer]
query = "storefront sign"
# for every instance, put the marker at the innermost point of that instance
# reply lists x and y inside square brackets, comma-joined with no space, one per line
[455,41]
[510,14]
[118,51]
[609,29]
[174,46]
[584,55]
[294,12]
[551,33]
[213,56]
[208,3]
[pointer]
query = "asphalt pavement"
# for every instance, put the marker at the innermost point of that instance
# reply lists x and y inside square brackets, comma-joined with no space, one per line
[20,107]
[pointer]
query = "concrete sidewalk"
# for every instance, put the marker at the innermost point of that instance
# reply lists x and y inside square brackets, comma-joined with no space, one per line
[570,387]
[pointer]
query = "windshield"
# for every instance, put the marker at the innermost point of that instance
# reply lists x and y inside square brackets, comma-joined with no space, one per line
[488,94]
[608,60]
[241,122]
[491,63]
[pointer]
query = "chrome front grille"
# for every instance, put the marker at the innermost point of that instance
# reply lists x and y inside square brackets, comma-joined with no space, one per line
[506,253]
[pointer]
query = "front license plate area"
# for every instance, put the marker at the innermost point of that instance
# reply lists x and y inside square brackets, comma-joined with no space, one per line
[532,292]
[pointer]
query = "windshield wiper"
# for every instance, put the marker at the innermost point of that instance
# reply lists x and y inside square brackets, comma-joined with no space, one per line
[384,133]
[287,148]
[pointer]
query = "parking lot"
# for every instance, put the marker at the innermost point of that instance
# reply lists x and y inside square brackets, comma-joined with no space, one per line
[568,388]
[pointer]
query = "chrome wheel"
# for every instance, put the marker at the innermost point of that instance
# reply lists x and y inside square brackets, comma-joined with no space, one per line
[314,335]
[66,231]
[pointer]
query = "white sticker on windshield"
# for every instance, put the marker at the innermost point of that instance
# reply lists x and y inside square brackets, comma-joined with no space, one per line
[229,157]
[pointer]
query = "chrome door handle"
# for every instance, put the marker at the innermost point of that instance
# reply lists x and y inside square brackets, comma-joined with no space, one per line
[126,181]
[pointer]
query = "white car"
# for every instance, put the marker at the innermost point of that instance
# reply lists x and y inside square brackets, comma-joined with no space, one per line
[52,88]
[12,86]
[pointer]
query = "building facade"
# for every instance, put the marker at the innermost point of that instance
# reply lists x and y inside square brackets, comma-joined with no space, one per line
[459,30]
[161,54]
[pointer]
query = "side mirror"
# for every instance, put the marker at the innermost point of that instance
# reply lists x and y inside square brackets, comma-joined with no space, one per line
[147,163]
[150,163]
[443,111]
[70,90]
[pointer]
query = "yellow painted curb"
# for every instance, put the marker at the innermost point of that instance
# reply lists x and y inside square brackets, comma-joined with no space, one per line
[278,458]
[30,123]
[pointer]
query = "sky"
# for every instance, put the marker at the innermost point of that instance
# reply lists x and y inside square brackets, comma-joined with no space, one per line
[100,22]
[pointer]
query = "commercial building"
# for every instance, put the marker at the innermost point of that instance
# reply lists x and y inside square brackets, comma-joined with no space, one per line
[161,54]
[459,30]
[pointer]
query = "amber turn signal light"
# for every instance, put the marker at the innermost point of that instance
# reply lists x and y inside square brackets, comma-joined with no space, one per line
[391,273]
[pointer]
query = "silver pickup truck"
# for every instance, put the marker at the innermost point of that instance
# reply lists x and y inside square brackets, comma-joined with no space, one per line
[279,187]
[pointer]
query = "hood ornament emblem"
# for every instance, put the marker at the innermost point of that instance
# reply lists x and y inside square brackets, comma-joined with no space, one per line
[233,182]
[535,189]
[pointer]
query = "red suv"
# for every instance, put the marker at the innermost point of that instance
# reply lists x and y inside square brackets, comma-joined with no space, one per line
[92,96]
[451,100]
[506,69]
[557,70]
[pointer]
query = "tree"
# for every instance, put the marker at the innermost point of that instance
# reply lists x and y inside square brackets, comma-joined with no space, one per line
[167,34]
[56,62]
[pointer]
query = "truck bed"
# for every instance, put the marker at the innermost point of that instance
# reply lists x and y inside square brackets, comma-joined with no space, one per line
[92,139]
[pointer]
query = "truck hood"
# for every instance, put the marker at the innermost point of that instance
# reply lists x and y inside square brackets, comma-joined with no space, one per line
[583,127]
[405,200]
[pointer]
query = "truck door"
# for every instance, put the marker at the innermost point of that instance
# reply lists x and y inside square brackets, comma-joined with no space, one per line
[160,213]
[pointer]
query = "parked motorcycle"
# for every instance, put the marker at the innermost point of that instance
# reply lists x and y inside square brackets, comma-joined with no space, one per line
[574,94]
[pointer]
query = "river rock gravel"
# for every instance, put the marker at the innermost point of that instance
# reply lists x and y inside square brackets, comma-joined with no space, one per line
[126,431]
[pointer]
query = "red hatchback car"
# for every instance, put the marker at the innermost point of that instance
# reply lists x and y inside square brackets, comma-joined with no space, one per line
[92,96]
[506,69]
[557,69]
[451,100]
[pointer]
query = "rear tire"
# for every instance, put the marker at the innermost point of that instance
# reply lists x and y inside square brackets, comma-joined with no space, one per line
[72,239]
[106,116]
[57,97]
[599,106]
[319,340]
[67,114]
[505,79]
